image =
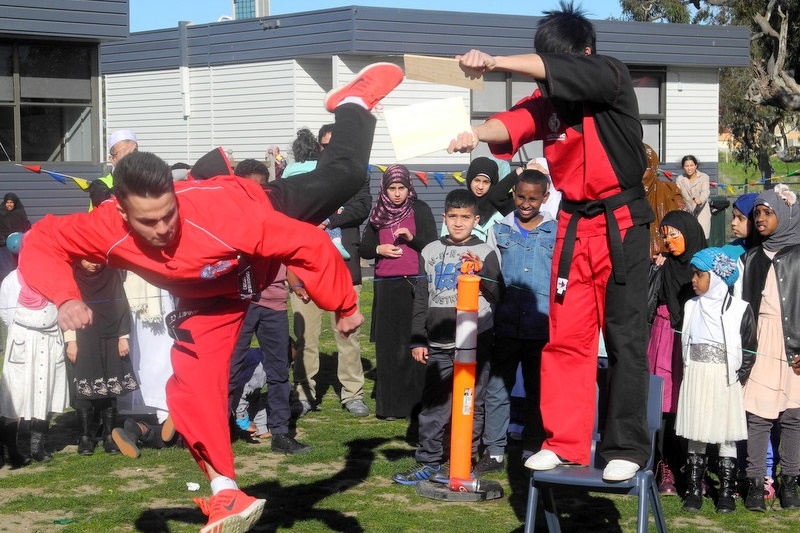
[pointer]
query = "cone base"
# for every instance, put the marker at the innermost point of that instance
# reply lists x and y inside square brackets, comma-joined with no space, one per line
[490,490]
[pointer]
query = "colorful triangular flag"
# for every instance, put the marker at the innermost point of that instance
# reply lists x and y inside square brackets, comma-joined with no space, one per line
[61,178]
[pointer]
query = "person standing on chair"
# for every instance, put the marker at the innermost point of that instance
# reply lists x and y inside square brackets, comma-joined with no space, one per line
[586,113]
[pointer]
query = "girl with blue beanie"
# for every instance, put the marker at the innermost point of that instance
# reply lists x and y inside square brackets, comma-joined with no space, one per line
[718,346]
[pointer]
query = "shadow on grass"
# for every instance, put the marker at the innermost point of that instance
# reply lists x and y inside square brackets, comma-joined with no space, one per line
[287,507]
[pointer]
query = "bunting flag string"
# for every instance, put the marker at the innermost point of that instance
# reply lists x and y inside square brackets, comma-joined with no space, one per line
[459,177]
[730,188]
[59,177]
[423,176]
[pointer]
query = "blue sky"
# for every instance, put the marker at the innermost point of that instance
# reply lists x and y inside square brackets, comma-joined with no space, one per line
[157,14]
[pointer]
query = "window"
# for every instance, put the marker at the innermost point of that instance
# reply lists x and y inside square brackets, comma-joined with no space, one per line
[501,91]
[48,104]
[649,87]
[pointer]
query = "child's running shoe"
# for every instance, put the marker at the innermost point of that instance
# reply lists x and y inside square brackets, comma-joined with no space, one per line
[415,474]
[230,511]
[371,84]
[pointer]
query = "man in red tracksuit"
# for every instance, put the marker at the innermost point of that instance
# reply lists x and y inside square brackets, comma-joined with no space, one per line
[214,245]
[586,114]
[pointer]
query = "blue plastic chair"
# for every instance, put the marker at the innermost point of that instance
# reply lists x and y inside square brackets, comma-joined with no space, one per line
[642,485]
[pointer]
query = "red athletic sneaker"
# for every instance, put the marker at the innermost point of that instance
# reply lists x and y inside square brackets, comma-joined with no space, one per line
[230,511]
[371,84]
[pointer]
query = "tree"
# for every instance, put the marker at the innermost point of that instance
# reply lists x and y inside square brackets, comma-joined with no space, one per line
[752,127]
[755,102]
[674,11]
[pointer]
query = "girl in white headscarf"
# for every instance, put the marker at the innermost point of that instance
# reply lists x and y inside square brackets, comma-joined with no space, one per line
[718,341]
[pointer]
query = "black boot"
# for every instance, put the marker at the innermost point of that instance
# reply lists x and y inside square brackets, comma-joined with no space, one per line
[788,492]
[695,470]
[127,438]
[8,435]
[109,415]
[86,442]
[39,430]
[727,485]
[755,495]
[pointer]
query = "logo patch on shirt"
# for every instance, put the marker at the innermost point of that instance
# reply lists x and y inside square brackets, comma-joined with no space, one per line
[554,123]
[555,134]
[216,270]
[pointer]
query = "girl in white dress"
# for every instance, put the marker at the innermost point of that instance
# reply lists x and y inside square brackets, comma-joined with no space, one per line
[34,380]
[719,342]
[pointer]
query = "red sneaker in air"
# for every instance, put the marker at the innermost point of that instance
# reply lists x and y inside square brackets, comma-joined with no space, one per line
[371,84]
[230,511]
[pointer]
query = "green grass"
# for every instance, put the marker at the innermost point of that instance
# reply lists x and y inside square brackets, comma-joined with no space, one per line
[343,485]
[735,174]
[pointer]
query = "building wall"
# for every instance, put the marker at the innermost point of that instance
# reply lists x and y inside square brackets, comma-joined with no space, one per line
[242,108]
[93,20]
[60,21]
[246,108]
[692,118]
[313,78]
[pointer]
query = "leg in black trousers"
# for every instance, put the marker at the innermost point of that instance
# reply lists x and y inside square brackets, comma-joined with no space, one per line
[340,173]
[626,336]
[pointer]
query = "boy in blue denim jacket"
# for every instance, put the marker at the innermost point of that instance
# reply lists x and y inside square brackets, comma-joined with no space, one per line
[524,240]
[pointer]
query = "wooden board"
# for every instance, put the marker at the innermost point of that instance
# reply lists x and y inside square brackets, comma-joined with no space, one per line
[445,70]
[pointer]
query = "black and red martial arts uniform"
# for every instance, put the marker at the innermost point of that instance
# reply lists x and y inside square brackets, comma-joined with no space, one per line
[587,116]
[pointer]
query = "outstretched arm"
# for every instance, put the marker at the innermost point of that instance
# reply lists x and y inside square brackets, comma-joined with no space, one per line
[491,131]
[525,64]
[494,131]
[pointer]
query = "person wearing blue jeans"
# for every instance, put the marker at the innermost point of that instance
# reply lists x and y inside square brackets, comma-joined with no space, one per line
[524,240]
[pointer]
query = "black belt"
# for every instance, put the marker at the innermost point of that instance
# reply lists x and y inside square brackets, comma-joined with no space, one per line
[173,322]
[591,209]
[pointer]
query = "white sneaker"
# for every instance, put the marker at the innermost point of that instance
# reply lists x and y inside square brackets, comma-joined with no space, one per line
[619,470]
[543,460]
